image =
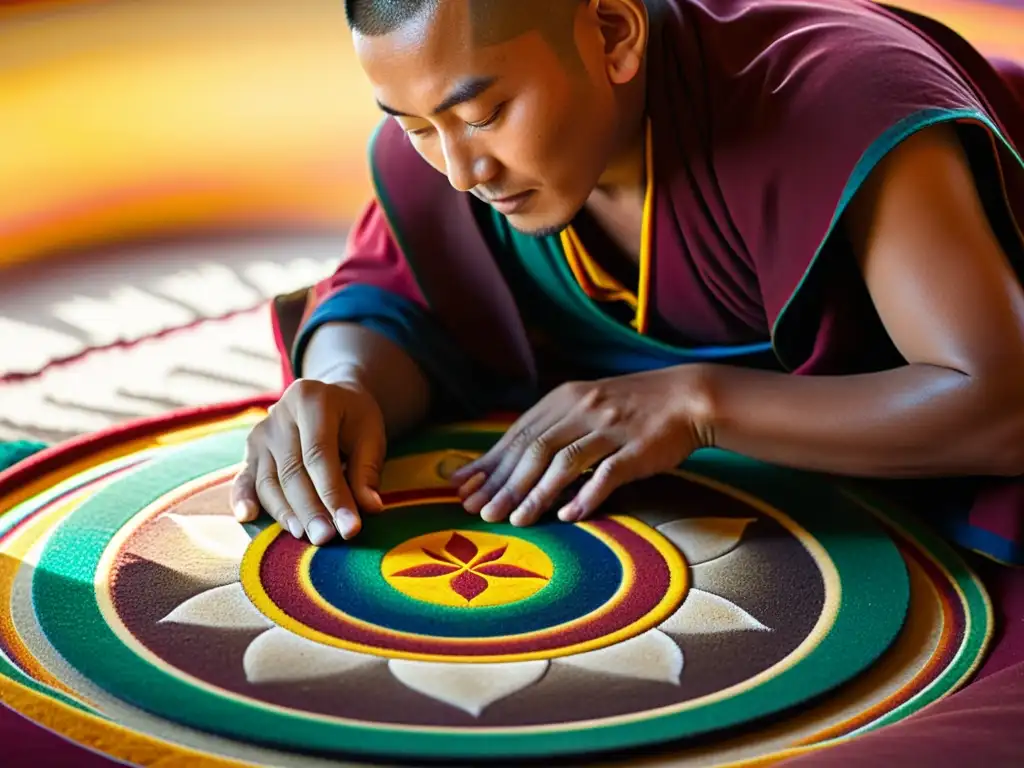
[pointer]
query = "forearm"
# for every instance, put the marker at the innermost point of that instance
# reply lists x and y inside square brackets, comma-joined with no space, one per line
[345,352]
[915,421]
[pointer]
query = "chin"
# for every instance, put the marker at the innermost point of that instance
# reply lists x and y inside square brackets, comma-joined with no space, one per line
[539,230]
[536,225]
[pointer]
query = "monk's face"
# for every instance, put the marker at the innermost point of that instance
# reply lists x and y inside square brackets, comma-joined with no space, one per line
[515,101]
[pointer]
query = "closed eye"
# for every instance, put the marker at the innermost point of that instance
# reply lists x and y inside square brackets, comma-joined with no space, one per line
[490,120]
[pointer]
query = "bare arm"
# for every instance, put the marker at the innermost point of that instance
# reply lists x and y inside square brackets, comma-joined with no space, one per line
[347,353]
[950,302]
[953,307]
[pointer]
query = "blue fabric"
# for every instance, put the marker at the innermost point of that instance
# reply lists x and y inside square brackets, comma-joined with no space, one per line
[461,389]
[983,541]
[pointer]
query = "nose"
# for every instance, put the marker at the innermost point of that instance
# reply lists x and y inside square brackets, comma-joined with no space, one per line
[466,167]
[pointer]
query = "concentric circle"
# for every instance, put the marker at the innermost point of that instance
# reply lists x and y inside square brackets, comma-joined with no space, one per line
[350,597]
[150,605]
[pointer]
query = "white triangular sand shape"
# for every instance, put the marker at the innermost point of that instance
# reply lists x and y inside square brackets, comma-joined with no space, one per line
[650,656]
[470,687]
[704,538]
[226,607]
[279,656]
[218,535]
[703,613]
[189,545]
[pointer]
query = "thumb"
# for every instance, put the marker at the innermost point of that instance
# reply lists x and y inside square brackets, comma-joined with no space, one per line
[366,461]
[244,502]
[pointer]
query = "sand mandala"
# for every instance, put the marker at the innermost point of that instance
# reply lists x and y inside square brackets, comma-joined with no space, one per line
[727,612]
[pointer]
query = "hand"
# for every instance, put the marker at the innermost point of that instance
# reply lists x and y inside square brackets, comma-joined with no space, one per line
[294,461]
[630,427]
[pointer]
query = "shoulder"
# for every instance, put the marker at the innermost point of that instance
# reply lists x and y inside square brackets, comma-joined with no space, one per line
[920,155]
[825,58]
[919,206]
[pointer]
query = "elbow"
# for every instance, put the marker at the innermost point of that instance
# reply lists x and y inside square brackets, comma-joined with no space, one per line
[1003,449]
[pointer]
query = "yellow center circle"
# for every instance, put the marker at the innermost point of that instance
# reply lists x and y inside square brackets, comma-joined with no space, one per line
[467,569]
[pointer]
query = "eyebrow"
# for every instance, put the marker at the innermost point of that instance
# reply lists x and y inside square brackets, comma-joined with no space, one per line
[465,91]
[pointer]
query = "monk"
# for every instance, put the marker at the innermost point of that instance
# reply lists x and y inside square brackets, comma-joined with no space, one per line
[790,229]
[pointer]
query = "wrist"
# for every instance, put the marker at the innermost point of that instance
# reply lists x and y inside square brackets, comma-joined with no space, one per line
[697,401]
[344,374]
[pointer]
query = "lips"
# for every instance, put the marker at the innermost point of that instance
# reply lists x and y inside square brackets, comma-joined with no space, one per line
[512,203]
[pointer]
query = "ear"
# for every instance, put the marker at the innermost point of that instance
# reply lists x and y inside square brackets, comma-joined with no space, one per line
[624,28]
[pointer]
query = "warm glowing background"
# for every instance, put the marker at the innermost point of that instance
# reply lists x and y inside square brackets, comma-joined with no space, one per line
[145,117]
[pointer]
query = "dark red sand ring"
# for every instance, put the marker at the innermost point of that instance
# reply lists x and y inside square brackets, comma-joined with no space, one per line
[420,496]
[59,456]
[954,629]
[281,565]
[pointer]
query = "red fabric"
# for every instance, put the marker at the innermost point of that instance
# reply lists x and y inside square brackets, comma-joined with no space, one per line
[1013,73]
[979,725]
[24,744]
[373,257]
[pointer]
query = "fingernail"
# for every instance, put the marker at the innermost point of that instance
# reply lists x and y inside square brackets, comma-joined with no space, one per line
[347,523]
[377,499]
[568,514]
[320,531]
[492,513]
[294,526]
[244,510]
[517,517]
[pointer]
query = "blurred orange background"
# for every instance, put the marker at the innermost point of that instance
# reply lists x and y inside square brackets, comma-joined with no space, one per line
[128,118]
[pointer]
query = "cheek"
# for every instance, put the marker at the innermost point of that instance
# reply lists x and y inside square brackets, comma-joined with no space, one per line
[576,144]
[540,138]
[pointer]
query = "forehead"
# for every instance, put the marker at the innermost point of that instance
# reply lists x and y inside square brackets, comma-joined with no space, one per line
[462,39]
[433,40]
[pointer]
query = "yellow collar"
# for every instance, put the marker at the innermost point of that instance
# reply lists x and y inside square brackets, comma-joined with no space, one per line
[594,280]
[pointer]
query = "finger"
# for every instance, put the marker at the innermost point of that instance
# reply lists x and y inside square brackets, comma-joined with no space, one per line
[486,463]
[322,472]
[272,498]
[567,466]
[618,469]
[513,444]
[366,459]
[244,502]
[500,474]
[299,493]
[533,463]
[472,485]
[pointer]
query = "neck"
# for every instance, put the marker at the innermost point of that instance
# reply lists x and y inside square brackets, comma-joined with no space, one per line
[625,177]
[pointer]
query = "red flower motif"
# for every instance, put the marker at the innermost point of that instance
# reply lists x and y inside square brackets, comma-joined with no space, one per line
[460,560]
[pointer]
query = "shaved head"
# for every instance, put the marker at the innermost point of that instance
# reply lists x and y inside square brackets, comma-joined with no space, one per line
[374,18]
[523,103]
[491,22]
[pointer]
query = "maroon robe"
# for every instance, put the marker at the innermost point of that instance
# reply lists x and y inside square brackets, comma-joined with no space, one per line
[767,117]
